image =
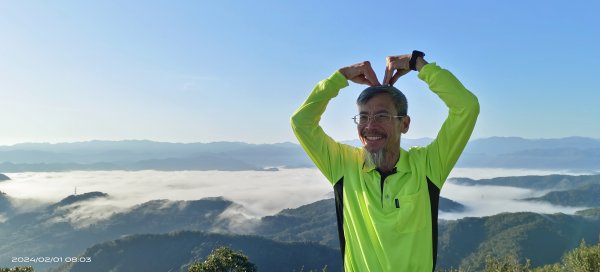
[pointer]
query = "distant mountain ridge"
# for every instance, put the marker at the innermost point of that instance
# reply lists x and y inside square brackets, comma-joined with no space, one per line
[77,198]
[541,237]
[587,196]
[176,251]
[52,232]
[6,207]
[549,182]
[575,153]
[3,177]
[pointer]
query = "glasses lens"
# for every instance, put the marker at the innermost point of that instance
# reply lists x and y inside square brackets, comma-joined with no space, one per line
[361,119]
[382,118]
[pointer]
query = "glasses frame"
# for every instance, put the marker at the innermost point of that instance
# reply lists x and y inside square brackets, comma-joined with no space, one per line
[371,118]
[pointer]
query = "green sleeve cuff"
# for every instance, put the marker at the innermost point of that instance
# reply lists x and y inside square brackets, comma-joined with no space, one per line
[338,80]
[428,69]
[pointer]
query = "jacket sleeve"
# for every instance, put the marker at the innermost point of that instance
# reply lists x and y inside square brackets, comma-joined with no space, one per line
[326,153]
[463,109]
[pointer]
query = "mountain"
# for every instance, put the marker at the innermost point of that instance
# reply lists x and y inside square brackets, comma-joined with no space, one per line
[576,153]
[550,182]
[593,212]
[6,206]
[448,205]
[3,177]
[197,162]
[77,198]
[317,222]
[160,216]
[62,229]
[542,238]
[573,158]
[77,222]
[59,230]
[311,222]
[507,145]
[587,195]
[176,251]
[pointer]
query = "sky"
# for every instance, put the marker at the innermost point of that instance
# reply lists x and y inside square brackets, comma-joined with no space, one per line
[205,71]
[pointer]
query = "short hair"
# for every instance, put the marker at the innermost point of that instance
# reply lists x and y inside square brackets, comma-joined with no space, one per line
[397,97]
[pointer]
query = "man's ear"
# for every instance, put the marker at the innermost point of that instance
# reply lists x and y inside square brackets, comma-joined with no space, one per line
[405,124]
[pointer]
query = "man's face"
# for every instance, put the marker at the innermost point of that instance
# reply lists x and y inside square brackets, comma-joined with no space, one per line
[376,136]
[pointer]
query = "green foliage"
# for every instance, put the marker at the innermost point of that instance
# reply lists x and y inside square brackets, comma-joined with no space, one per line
[509,263]
[324,269]
[549,268]
[542,238]
[583,259]
[17,269]
[224,259]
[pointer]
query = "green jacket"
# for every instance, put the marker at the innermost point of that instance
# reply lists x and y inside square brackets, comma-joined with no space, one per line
[390,223]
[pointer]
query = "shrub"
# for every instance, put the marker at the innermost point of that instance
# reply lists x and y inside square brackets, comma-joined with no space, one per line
[223,259]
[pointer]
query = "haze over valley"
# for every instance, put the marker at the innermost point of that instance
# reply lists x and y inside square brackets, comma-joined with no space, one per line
[93,197]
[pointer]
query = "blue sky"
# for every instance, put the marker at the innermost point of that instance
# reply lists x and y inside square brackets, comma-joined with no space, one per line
[204,71]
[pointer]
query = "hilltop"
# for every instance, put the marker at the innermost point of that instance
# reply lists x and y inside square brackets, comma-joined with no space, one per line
[587,195]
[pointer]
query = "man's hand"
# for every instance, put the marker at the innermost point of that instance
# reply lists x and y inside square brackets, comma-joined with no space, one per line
[398,64]
[360,73]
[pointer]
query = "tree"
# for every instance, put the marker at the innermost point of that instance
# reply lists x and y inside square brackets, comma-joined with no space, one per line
[224,259]
[510,263]
[583,259]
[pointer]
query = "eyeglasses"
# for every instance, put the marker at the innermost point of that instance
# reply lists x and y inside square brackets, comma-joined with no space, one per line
[380,118]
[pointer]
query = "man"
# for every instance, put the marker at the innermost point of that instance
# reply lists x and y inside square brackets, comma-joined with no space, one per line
[387,197]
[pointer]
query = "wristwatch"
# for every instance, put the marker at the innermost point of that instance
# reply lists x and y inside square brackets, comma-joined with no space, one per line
[412,63]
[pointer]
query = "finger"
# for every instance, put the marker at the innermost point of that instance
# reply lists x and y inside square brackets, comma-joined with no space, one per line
[388,74]
[371,76]
[389,69]
[361,79]
[395,77]
[398,74]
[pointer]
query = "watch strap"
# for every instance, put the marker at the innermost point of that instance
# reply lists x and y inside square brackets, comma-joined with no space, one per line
[412,63]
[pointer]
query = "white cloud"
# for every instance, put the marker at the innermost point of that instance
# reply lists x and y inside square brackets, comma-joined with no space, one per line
[490,200]
[259,193]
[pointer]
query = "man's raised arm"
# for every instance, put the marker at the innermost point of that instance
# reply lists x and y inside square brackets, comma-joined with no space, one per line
[324,151]
[463,109]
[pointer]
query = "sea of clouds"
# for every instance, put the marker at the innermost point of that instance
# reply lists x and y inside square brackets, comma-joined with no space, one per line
[259,193]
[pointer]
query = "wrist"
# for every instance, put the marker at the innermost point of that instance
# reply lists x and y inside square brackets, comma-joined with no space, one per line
[412,63]
[420,63]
